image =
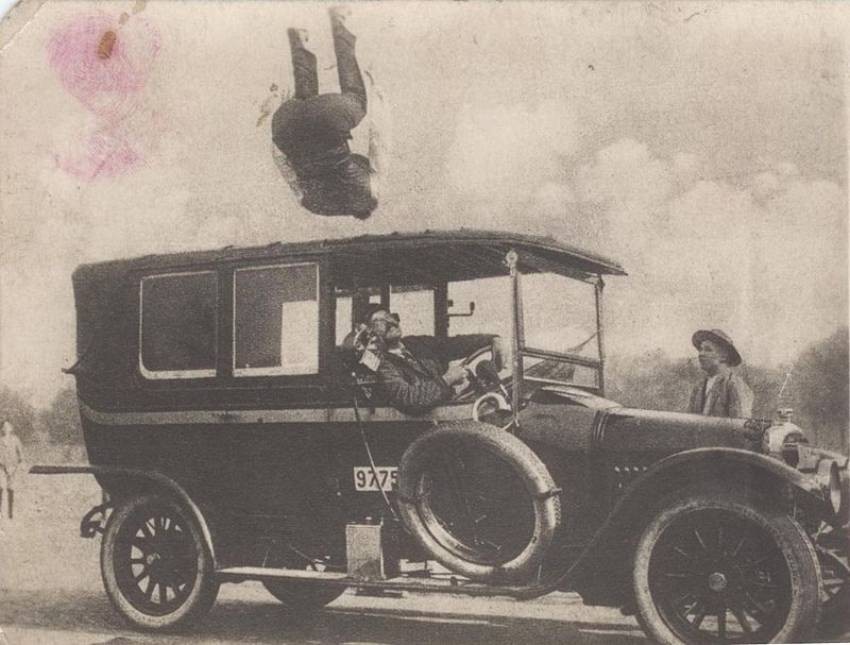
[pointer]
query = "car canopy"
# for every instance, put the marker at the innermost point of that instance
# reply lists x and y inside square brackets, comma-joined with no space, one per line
[105,292]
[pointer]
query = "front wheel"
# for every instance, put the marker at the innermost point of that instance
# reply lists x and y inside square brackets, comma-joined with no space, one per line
[714,567]
[156,568]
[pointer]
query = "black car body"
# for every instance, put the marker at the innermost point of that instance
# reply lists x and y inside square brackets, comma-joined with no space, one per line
[238,438]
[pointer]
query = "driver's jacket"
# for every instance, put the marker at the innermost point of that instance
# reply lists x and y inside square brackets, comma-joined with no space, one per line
[414,384]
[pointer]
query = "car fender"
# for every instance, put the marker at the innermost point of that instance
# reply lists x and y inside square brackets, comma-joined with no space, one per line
[613,540]
[719,458]
[158,479]
[710,464]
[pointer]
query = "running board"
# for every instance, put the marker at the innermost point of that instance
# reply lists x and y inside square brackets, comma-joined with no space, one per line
[267,573]
[452,585]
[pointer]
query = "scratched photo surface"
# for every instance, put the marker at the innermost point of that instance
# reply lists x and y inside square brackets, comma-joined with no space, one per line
[703,146]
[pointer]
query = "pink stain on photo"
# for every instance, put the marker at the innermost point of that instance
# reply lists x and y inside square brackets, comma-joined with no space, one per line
[103,154]
[104,62]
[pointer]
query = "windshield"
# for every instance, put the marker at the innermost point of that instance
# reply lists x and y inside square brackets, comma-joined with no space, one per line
[559,317]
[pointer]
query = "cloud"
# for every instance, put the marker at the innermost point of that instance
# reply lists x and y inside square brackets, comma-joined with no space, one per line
[624,172]
[632,187]
[765,185]
[506,152]
[767,261]
[686,169]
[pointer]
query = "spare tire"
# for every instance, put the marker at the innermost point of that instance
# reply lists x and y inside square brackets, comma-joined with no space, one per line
[479,501]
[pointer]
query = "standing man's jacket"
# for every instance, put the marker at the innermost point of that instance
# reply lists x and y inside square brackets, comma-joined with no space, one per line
[416,385]
[729,396]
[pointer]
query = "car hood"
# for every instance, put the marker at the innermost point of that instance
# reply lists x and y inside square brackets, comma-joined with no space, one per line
[633,430]
[576,427]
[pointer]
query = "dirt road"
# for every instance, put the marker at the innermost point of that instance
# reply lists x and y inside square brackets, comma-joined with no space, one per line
[248,614]
[50,592]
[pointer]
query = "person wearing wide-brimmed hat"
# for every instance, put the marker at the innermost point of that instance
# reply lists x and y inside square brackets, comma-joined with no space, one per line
[722,392]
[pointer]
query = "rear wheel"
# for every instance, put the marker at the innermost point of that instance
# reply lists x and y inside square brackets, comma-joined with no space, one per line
[300,595]
[156,568]
[713,567]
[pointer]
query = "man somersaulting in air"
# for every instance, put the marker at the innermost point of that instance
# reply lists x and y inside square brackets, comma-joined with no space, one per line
[312,131]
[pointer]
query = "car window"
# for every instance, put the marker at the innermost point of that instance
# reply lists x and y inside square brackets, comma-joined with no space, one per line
[491,298]
[276,320]
[177,330]
[349,306]
[415,308]
[343,325]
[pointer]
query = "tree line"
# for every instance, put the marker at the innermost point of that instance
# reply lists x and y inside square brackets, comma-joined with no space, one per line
[815,386]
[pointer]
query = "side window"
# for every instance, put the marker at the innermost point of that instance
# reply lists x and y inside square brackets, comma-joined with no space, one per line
[177,327]
[415,307]
[344,314]
[276,320]
[350,305]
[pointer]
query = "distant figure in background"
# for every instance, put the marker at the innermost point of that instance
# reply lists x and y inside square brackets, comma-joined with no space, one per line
[312,131]
[721,393]
[11,457]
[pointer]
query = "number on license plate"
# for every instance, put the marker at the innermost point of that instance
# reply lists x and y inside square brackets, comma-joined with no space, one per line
[381,478]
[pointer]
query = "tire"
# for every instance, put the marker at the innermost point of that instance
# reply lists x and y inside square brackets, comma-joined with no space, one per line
[152,546]
[303,595]
[300,595]
[716,567]
[479,501]
[835,593]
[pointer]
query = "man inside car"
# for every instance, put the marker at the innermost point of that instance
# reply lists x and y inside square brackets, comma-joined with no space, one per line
[414,371]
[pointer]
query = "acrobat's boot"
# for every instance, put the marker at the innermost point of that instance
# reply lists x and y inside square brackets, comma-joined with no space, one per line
[339,14]
[298,38]
[350,78]
[11,502]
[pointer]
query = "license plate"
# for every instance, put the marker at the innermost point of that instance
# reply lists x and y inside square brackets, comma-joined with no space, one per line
[382,478]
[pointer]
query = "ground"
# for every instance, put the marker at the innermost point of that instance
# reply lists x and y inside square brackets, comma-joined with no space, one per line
[51,593]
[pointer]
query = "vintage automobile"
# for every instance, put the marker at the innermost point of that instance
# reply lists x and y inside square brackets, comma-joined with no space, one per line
[238,436]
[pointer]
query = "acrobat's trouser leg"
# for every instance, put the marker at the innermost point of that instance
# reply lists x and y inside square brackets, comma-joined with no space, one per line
[11,502]
[303,66]
[350,78]
[1,502]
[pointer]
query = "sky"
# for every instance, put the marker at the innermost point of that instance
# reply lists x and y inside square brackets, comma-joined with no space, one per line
[703,146]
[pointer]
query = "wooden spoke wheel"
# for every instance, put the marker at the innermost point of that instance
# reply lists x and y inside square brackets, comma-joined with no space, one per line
[832,546]
[155,566]
[715,568]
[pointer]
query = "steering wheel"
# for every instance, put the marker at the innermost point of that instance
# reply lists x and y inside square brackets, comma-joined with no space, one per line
[474,356]
[469,363]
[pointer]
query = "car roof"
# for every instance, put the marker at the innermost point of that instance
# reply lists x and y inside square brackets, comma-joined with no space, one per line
[427,248]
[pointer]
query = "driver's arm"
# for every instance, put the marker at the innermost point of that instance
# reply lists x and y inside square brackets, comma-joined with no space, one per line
[455,374]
